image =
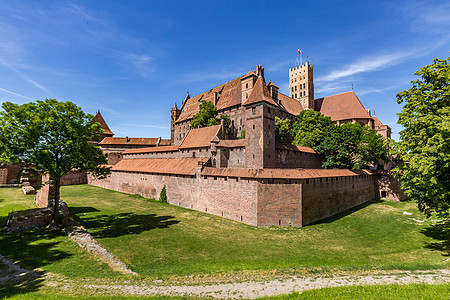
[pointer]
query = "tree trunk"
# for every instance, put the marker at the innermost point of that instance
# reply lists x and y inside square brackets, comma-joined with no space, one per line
[56,204]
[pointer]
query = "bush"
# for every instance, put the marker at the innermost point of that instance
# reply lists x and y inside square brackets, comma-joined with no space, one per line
[163,195]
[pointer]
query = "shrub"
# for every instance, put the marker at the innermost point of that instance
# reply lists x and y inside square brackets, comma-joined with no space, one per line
[163,195]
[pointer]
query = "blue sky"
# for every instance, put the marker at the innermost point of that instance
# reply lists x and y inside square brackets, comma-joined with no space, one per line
[134,59]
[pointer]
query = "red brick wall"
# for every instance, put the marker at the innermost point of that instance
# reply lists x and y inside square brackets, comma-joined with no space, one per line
[74,177]
[3,176]
[279,204]
[390,188]
[293,159]
[325,197]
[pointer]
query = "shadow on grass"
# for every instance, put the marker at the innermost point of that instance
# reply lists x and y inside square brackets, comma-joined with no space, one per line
[101,226]
[21,286]
[31,250]
[346,212]
[441,233]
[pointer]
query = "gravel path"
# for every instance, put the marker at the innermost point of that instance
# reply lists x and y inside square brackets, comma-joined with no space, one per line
[14,271]
[87,242]
[253,289]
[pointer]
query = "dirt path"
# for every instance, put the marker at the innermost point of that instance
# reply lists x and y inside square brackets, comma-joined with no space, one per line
[253,289]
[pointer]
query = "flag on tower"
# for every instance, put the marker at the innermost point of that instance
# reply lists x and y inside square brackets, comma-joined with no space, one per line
[299,52]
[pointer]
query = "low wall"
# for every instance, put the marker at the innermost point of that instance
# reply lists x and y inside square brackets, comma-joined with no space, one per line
[74,177]
[287,159]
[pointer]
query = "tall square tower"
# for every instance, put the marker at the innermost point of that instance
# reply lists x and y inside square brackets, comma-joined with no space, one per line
[301,85]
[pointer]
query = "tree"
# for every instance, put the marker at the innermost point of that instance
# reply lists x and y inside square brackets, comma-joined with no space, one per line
[425,140]
[310,128]
[282,130]
[352,146]
[207,116]
[52,138]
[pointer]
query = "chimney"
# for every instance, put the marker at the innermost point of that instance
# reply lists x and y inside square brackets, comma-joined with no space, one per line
[215,98]
[158,141]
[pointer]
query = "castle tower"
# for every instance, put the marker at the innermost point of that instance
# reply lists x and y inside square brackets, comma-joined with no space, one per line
[174,114]
[248,82]
[301,85]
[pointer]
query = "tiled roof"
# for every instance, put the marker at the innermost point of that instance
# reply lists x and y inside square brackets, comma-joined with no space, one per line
[164,142]
[228,94]
[282,173]
[151,150]
[341,107]
[128,141]
[200,137]
[291,105]
[376,122]
[99,118]
[231,143]
[285,146]
[260,93]
[181,166]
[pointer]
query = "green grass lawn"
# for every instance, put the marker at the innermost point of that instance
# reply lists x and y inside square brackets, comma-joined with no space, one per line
[168,242]
[160,240]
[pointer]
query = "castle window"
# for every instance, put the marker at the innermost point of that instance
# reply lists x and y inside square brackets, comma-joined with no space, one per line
[254,112]
[295,88]
[253,126]
[246,96]
[246,85]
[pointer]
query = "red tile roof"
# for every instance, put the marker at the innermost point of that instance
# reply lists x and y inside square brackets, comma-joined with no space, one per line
[282,173]
[129,141]
[260,93]
[99,118]
[181,166]
[151,150]
[231,143]
[291,105]
[285,146]
[342,107]
[200,137]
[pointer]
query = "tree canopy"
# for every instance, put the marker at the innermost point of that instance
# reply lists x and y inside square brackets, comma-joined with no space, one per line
[51,137]
[425,140]
[352,146]
[208,116]
[282,130]
[310,128]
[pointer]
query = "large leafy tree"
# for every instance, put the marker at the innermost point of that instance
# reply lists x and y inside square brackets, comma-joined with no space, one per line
[425,139]
[52,138]
[352,146]
[208,116]
[282,130]
[310,128]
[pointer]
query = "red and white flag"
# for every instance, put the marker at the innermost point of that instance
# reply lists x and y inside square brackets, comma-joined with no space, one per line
[299,52]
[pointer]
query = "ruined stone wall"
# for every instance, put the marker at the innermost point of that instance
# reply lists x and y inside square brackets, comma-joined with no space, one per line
[325,197]
[294,159]
[74,177]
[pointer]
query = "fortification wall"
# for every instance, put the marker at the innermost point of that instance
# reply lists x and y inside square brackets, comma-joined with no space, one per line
[390,188]
[231,198]
[286,159]
[324,197]
[279,204]
[261,202]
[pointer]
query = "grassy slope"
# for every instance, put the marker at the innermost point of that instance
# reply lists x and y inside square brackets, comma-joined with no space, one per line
[51,251]
[158,240]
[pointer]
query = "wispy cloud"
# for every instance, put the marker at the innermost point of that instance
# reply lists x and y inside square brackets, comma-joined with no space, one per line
[368,64]
[19,95]
[26,77]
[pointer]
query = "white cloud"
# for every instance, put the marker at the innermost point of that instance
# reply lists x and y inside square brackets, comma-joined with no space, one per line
[368,64]
[12,93]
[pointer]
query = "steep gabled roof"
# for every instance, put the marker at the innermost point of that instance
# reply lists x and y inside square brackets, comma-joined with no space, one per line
[342,107]
[260,93]
[200,137]
[228,95]
[291,105]
[99,119]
